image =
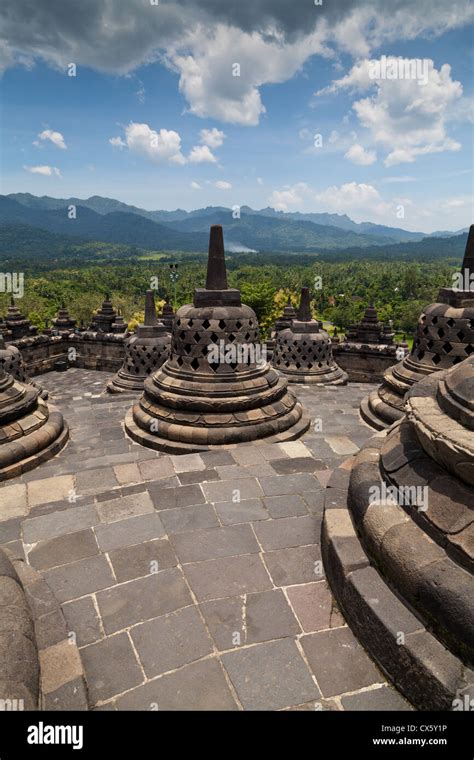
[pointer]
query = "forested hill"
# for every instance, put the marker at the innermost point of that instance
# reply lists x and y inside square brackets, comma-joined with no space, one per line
[126,228]
[22,243]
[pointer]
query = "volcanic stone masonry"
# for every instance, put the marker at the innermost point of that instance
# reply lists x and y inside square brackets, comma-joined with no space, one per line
[145,351]
[30,431]
[303,352]
[398,542]
[196,400]
[444,337]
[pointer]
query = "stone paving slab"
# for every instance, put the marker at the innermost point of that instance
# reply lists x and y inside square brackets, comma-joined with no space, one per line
[194,582]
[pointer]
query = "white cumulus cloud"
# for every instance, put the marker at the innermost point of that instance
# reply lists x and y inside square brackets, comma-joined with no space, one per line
[405,117]
[55,137]
[46,171]
[358,155]
[290,195]
[213,138]
[202,40]
[222,185]
[159,147]
[201,154]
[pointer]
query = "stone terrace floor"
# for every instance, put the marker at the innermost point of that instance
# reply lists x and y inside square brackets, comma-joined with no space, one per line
[180,595]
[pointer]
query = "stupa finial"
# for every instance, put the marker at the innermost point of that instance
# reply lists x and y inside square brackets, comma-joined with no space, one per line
[468,261]
[216,272]
[150,310]
[304,311]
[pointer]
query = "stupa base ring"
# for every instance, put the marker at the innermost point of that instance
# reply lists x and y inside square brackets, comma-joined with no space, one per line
[327,378]
[54,433]
[122,383]
[378,413]
[420,667]
[168,446]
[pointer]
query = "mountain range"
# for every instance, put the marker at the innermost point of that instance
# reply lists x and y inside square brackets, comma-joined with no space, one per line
[111,221]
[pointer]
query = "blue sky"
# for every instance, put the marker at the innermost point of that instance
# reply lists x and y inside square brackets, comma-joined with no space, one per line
[186,133]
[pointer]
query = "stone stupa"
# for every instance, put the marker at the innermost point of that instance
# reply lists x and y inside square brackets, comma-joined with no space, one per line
[303,351]
[17,325]
[63,322]
[12,362]
[167,315]
[444,337]
[145,351]
[370,330]
[398,542]
[284,320]
[104,318]
[119,326]
[217,387]
[31,432]
[368,349]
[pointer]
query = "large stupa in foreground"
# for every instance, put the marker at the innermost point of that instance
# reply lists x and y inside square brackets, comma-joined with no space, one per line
[398,543]
[217,387]
[444,337]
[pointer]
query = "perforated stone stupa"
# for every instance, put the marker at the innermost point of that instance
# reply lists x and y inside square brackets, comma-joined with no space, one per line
[303,351]
[145,352]
[12,362]
[444,337]
[30,431]
[216,388]
[411,500]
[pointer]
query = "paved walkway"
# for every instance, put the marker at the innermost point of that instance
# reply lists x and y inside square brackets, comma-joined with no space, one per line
[195,581]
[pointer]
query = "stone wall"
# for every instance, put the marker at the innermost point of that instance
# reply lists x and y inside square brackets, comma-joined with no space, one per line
[40,352]
[99,351]
[364,364]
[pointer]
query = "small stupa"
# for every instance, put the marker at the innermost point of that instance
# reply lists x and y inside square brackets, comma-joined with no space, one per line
[370,330]
[17,325]
[444,337]
[119,326]
[104,318]
[217,387]
[368,349]
[145,351]
[303,351]
[285,319]
[30,431]
[63,323]
[167,315]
